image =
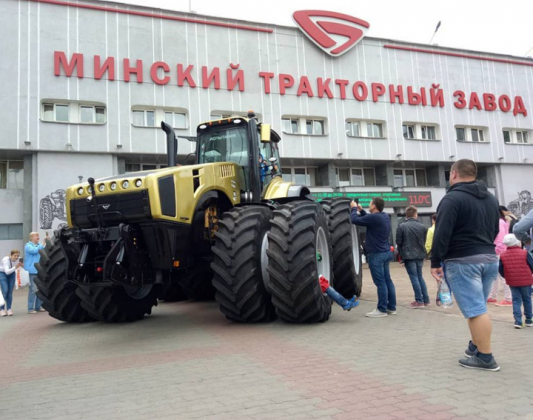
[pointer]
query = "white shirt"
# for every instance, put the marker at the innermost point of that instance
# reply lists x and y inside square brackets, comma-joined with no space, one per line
[8,266]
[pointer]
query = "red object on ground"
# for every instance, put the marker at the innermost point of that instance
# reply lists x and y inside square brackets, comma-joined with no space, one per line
[324,283]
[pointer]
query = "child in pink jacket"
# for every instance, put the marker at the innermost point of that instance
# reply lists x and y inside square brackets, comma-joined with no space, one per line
[500,281]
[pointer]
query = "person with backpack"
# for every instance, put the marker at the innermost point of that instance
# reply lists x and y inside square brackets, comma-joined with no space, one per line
[516,265]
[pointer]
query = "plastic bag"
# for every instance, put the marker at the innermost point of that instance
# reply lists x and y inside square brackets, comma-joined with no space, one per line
[23,278]
[2,301]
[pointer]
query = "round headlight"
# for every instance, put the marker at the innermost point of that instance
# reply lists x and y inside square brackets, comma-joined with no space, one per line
[101,187]
[138,183]
[113,186]
[125,184]
[80,191]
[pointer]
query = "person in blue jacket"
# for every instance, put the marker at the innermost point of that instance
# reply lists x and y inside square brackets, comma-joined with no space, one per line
[31,257]
[377,248]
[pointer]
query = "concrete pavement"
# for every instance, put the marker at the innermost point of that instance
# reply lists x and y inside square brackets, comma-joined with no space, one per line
[186,361]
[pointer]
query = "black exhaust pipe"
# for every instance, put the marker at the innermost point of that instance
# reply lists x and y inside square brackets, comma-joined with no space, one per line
[172,144]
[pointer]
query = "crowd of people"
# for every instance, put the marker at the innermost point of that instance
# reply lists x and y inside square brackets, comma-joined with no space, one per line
[475,246]
[8,268]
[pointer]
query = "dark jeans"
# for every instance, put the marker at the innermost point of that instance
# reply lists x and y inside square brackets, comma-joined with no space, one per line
[34,303]
[7,284]
[521,295]
[379,268]
[414,269]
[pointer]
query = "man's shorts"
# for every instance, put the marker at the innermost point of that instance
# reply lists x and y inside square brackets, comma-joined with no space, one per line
[471,284]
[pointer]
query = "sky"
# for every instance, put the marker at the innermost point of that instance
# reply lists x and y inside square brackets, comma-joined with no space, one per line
[498,26]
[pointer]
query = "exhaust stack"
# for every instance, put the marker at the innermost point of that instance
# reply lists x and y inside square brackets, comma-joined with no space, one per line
[172,144]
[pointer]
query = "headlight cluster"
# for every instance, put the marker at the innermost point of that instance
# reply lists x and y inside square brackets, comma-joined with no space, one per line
[125,184]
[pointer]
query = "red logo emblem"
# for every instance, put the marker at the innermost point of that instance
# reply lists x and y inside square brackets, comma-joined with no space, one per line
[329,30]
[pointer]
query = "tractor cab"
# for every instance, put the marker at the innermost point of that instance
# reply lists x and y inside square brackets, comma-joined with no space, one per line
[244,141]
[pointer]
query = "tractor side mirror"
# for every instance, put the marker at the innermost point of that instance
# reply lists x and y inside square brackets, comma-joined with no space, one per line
[265,133]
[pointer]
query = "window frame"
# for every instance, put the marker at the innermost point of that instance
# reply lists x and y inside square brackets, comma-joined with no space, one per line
[524,137]
[310,177]
[174,113]
[426,130]
[407,129]
[313,122]
[363,128]
[301,123]
[404,177]
[74,111]
[94,108]
[469,130]
[54,111]
[351,175]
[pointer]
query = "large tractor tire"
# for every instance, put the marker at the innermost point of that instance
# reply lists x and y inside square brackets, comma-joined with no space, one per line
[347,255]
[116,303]
[299,251]
[240,262]
[54,289]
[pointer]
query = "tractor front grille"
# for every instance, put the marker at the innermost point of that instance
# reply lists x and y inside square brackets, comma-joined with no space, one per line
[116,208]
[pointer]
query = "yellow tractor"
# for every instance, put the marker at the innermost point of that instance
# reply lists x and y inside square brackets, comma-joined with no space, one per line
[227,226]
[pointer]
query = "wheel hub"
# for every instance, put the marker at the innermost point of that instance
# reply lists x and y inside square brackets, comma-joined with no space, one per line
[356,250]
[264,262]
[322,255]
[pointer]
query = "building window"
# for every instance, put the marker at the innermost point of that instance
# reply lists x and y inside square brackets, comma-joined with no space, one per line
[92,114]
[352,129]
[73,112]
[471,134]
[460,133]
[477,135]
[360,128]
[12,175]
[506,136]
[303,176]
[521,137]
[55,112]
[314,127]
[176,119]
[410,178]
[356,177]
[409,131]
[290,125]
[374,130]
[152,117]
[303,125]
[142,118]
[420,131]
[428,132]
[11,232]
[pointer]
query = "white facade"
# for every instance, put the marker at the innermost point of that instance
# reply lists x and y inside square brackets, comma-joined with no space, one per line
[65,126]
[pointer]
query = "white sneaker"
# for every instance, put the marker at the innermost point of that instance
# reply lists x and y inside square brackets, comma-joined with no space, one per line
[376,314]
[389,312]
[3,312]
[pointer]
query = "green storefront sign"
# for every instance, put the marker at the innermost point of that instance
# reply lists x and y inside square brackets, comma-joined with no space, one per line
[392,199]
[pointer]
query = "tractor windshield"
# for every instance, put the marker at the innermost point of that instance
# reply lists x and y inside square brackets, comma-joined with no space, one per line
[224,144]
